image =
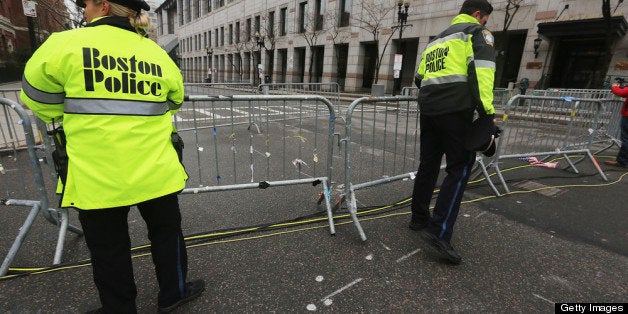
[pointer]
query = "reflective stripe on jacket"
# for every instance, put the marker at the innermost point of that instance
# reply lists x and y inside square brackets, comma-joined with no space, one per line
[115,92]
[457,69]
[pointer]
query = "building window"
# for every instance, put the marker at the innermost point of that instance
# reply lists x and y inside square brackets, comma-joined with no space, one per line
[230,34]
[248,30]
[257,24]
[216,38]
[222,36]
[180,11]
[170,16]
[319,16]
[282,21]
[345,13]
[303,17]
[271,24]
[188,15]
[237,32]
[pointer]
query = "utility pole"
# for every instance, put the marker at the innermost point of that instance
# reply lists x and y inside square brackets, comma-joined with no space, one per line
[32,34]
[30,11]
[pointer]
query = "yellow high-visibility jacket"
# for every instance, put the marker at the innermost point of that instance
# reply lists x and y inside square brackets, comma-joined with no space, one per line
[457,69]
[115,92]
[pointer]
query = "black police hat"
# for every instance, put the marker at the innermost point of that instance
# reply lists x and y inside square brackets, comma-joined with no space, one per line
[135,5]
[483,136]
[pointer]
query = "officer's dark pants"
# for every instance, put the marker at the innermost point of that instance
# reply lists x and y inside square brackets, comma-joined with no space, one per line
[107,237]
[442,134]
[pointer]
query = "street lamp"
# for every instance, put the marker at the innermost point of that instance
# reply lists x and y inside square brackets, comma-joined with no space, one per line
[402,18]
[537,44]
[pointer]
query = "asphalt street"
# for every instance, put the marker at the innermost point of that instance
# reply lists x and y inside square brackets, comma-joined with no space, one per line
[557,237]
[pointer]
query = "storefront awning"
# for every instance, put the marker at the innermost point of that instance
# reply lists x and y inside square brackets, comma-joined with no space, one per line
[170,46]
[589,27]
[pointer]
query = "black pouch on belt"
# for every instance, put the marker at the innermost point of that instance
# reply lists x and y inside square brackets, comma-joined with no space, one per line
[59,155]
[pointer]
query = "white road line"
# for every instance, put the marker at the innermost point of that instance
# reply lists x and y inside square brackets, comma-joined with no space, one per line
[408,255]
[341,289]
[542,298]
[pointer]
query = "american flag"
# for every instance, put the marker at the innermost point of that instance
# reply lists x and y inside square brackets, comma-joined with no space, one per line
[535,162]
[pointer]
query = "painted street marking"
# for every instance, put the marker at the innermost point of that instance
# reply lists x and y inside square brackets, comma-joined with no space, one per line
[341,289]
[408,255]
[542,298]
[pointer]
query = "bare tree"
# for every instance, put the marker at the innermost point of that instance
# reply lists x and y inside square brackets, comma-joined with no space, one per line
[372,19]
[512,6]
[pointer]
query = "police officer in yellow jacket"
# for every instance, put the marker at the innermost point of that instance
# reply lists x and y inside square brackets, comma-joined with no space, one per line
[455,78]
[115,92]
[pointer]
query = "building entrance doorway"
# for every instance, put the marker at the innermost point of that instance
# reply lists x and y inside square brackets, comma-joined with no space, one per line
[577,62]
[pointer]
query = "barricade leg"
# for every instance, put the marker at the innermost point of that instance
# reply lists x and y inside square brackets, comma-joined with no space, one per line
[36,206]
[480,162]
[353,210]
[330,215]
[57,217]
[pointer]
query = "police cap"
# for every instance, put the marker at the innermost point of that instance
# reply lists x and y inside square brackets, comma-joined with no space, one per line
[483,136]
[135,5]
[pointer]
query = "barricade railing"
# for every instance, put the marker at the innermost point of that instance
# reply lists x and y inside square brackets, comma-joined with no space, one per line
[225,89]
[546,127]
[329,90]
[12,94]
[608,130]
[500,95]
[575,93]
[19,163]
[258,141]
[381,145]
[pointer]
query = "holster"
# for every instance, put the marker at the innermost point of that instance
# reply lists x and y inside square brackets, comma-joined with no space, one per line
[59,155]
[177,143]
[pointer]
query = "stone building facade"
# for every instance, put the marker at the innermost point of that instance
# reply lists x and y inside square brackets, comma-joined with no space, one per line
[344,41]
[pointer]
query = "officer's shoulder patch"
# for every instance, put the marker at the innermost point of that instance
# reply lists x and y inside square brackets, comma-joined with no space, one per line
[488,37]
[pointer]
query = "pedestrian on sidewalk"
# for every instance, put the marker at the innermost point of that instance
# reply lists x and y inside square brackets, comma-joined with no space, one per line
[115,91]
[455,77]
[622,157]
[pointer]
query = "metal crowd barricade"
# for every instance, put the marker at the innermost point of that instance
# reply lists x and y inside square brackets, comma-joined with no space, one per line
[330,90]
[609,129]
[256,141]
[381,145]
[18,163]
[225,89]
[545,127]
